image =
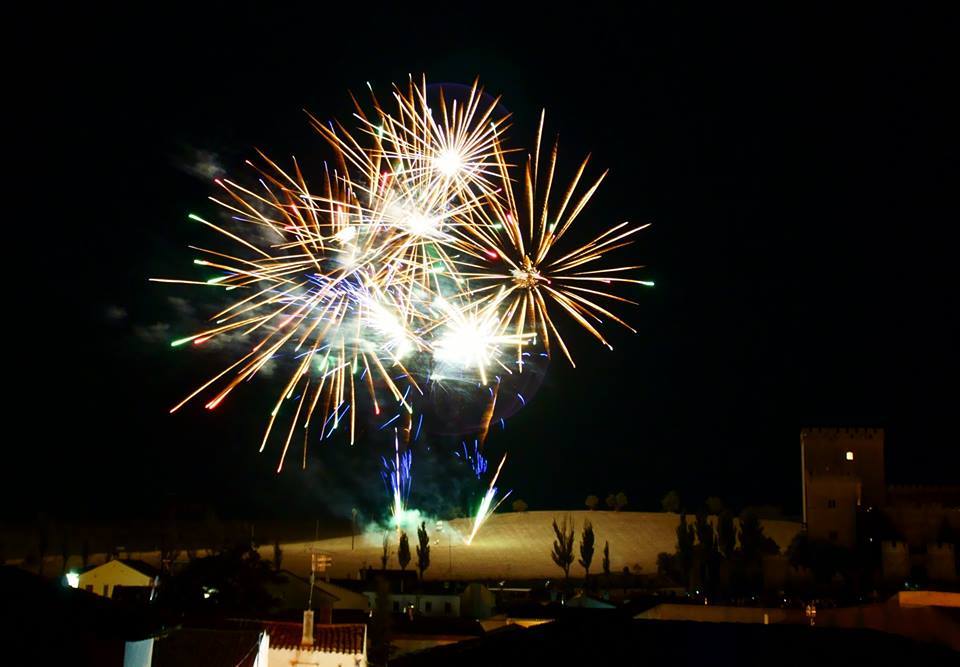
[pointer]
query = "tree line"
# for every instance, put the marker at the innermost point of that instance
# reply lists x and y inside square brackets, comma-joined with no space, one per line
[403,550]
[563,548]
[716,551]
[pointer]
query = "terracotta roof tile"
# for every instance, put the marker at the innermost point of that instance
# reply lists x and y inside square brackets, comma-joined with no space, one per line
[335,638]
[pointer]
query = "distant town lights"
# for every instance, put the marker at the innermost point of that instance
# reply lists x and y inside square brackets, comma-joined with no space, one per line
[849,456]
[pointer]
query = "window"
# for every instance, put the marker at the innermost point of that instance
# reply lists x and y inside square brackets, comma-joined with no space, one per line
[428,606]
[396,605]
[447,608]
[832,504]
[849,456]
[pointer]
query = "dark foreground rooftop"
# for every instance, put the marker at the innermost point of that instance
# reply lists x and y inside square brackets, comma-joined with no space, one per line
[192,647]
[621,641]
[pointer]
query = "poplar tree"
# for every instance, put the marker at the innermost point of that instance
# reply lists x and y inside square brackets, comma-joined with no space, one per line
[563,546]
[586,548]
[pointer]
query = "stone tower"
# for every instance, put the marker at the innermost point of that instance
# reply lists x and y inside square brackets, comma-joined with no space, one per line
[843,472]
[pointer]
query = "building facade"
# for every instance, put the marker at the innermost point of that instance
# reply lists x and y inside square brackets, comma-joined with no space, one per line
[107,579]
[320,645]
[844,485]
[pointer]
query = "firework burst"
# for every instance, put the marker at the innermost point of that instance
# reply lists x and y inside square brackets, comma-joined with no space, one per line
[418,256]
[516,251]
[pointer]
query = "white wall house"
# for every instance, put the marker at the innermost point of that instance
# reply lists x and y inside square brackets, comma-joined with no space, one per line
[334,645]
[104,579]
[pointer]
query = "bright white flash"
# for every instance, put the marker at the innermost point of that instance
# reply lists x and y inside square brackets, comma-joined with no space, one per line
[470,342]
[448,162]
[346,234]
[421,224]
[391,328]
[413,220]
[348,260]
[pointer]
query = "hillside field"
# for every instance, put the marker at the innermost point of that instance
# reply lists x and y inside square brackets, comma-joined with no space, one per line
[514,545]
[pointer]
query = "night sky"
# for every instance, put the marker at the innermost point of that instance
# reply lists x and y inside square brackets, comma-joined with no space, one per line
[799,170]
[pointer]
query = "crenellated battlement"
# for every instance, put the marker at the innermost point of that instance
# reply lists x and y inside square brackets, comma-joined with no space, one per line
[833,458]
[944,495]
[895,546]
[925,488]
[850,432]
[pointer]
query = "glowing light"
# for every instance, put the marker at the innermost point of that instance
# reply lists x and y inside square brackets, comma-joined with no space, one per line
[467,343]
[421,224]
[346,234]
[448,162]
[385,323]
[73,579]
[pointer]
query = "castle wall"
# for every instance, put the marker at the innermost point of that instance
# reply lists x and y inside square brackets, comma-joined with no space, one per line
[854,452]
[832,503]
[895,559]
[941,562]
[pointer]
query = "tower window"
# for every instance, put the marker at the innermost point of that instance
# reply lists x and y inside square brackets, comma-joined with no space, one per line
[849,455]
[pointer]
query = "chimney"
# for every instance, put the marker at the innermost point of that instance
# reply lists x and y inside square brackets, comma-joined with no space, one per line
[307,639]
[326,614]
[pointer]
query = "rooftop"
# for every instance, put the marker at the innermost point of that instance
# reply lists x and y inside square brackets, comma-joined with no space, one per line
[602,639]
[206,648]
[337,638]
[140,566]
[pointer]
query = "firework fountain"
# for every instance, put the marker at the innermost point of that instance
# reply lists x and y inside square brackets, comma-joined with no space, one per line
[397,477]
[485,509]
